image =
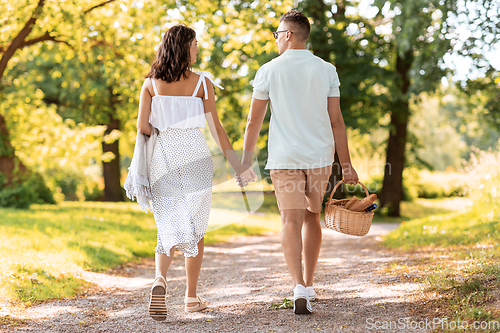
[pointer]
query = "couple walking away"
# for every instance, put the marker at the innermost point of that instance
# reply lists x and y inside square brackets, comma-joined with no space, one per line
[172,168]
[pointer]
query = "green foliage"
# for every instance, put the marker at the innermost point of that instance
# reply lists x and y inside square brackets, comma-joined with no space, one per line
[435,184]
[92,191]
[286,303]
[65,153]
[435,190]
[418,33]
[352,52]
[24,191]
[436,143]
[50,90]
[41,190]
[479,225]
[484,97]
[16,196]
[5,150]
[465,112]
[235,42]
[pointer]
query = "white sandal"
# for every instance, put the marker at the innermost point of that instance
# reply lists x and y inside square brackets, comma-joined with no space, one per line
[202,304]
[157,299]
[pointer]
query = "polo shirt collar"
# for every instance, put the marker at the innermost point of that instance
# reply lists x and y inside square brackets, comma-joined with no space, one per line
[297,53]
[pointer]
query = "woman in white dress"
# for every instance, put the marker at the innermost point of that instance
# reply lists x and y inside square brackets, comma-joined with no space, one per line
[176,101]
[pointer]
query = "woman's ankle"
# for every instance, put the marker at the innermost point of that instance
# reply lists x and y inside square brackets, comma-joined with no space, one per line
[191,293]
[160,275]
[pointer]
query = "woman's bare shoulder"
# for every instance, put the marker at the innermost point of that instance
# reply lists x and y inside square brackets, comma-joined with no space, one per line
[148,85]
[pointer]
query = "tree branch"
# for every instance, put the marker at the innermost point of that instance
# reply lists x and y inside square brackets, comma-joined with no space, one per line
[42,38]
[18,41]
[97,6]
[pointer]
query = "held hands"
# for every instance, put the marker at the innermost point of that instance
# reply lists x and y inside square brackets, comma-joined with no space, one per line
[245,175]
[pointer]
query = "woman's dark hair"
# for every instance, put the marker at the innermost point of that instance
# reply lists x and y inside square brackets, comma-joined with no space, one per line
[173,59]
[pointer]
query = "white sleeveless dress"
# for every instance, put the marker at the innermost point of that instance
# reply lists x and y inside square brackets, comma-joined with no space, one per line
[181,171]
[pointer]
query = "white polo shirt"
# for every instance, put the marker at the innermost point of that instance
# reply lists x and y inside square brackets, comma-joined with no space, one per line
[298,85]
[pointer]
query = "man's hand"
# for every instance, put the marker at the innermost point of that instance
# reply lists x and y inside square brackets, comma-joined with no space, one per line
[349,174]
[246,177]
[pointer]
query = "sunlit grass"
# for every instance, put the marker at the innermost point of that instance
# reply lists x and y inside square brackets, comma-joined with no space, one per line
[42,250]
[422,208]
[471,228]
[457,256]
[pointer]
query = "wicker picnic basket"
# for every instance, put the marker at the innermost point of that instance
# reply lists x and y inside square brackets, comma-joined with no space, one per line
[346,221]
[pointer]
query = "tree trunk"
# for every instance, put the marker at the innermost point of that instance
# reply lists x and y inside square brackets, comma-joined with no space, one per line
[111,170]
[392,188]
[8,160]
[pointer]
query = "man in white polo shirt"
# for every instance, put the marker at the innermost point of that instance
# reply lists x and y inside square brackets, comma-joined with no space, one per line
[305,129]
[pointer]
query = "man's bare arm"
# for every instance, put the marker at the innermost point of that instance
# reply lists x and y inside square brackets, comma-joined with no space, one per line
[255,119]
[340,136]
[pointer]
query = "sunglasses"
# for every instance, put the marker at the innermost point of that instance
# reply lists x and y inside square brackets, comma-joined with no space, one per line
[275,33]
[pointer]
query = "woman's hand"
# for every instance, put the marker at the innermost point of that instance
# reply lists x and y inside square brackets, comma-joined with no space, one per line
[245,175]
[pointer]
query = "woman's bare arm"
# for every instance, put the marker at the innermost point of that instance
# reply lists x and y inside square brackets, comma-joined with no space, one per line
[220,135]
[143,125]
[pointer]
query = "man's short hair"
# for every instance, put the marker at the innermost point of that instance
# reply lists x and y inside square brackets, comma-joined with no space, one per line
[300,23]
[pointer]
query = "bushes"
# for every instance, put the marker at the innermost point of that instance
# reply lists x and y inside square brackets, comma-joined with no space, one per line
[484,182]
[92,191]
[375,187]
[25,191]
[437,184]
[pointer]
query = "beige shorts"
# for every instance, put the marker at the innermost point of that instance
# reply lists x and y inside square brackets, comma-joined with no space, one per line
[300,188]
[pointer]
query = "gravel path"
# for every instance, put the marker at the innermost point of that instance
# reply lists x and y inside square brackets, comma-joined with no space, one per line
[241,279]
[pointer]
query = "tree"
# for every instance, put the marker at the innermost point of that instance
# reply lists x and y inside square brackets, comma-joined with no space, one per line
[100,85]
[484,97]
[481,44]
[417,33]
[48,21]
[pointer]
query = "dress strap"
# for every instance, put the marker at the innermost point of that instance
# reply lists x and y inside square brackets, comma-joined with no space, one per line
[202,80]
[154,86]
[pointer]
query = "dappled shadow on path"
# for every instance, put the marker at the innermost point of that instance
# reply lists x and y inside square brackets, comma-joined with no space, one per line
[241,279]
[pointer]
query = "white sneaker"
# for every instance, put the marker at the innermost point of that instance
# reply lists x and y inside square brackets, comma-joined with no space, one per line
[301,303]
[312,294]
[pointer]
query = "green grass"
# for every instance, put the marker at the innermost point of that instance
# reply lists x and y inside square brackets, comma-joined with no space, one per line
[459,255]
[424,208]
[43,249]
[471,228]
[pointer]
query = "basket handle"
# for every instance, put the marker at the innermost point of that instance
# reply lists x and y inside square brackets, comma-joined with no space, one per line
[340,182]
